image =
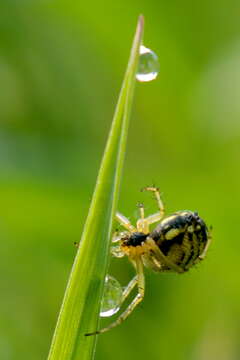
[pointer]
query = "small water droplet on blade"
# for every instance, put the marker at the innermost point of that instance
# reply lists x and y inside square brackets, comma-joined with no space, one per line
[112,296]
[148,66]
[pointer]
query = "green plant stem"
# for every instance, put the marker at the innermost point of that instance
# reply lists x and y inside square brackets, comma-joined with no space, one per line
[79,313]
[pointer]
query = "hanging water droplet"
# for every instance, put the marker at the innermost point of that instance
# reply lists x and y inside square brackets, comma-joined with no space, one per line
[148,66]
[112,296]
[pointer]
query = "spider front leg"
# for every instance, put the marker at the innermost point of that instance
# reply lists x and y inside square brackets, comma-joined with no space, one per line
[139,279]
[118,236]
[143,223]
[125,222]
[159,215]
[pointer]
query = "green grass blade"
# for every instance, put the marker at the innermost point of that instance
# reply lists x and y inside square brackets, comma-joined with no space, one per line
[79,313]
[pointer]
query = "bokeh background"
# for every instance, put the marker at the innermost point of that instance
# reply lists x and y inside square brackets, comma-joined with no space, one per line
[61,67]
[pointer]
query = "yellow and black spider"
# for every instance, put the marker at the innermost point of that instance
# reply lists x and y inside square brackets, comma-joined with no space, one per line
[177,243]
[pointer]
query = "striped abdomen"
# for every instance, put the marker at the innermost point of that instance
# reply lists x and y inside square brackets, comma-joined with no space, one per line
[182,237]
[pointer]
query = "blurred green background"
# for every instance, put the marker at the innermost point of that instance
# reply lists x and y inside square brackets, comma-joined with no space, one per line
[61,67]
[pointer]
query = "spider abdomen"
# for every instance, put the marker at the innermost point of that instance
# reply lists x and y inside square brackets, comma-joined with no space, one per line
[182,238]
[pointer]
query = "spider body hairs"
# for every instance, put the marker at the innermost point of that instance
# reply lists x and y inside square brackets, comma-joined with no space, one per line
[177,243]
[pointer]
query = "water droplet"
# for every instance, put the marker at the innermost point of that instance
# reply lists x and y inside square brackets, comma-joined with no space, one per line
[148,66]
[112,296]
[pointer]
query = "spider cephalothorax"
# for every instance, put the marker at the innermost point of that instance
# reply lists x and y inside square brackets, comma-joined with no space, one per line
[176,244]
[135,239]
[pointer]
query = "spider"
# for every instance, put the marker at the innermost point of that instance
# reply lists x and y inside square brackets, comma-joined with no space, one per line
[177,243]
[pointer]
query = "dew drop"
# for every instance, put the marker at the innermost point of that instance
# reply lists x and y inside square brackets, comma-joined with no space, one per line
[112,296]
[148,66]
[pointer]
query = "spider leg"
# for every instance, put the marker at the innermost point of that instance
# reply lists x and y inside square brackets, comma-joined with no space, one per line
[130,286]
[141,210]
[125,222]
[161,258]
[117,236]
[142,223]
[138,298]
[202,256]
[117,252]
[159,215]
